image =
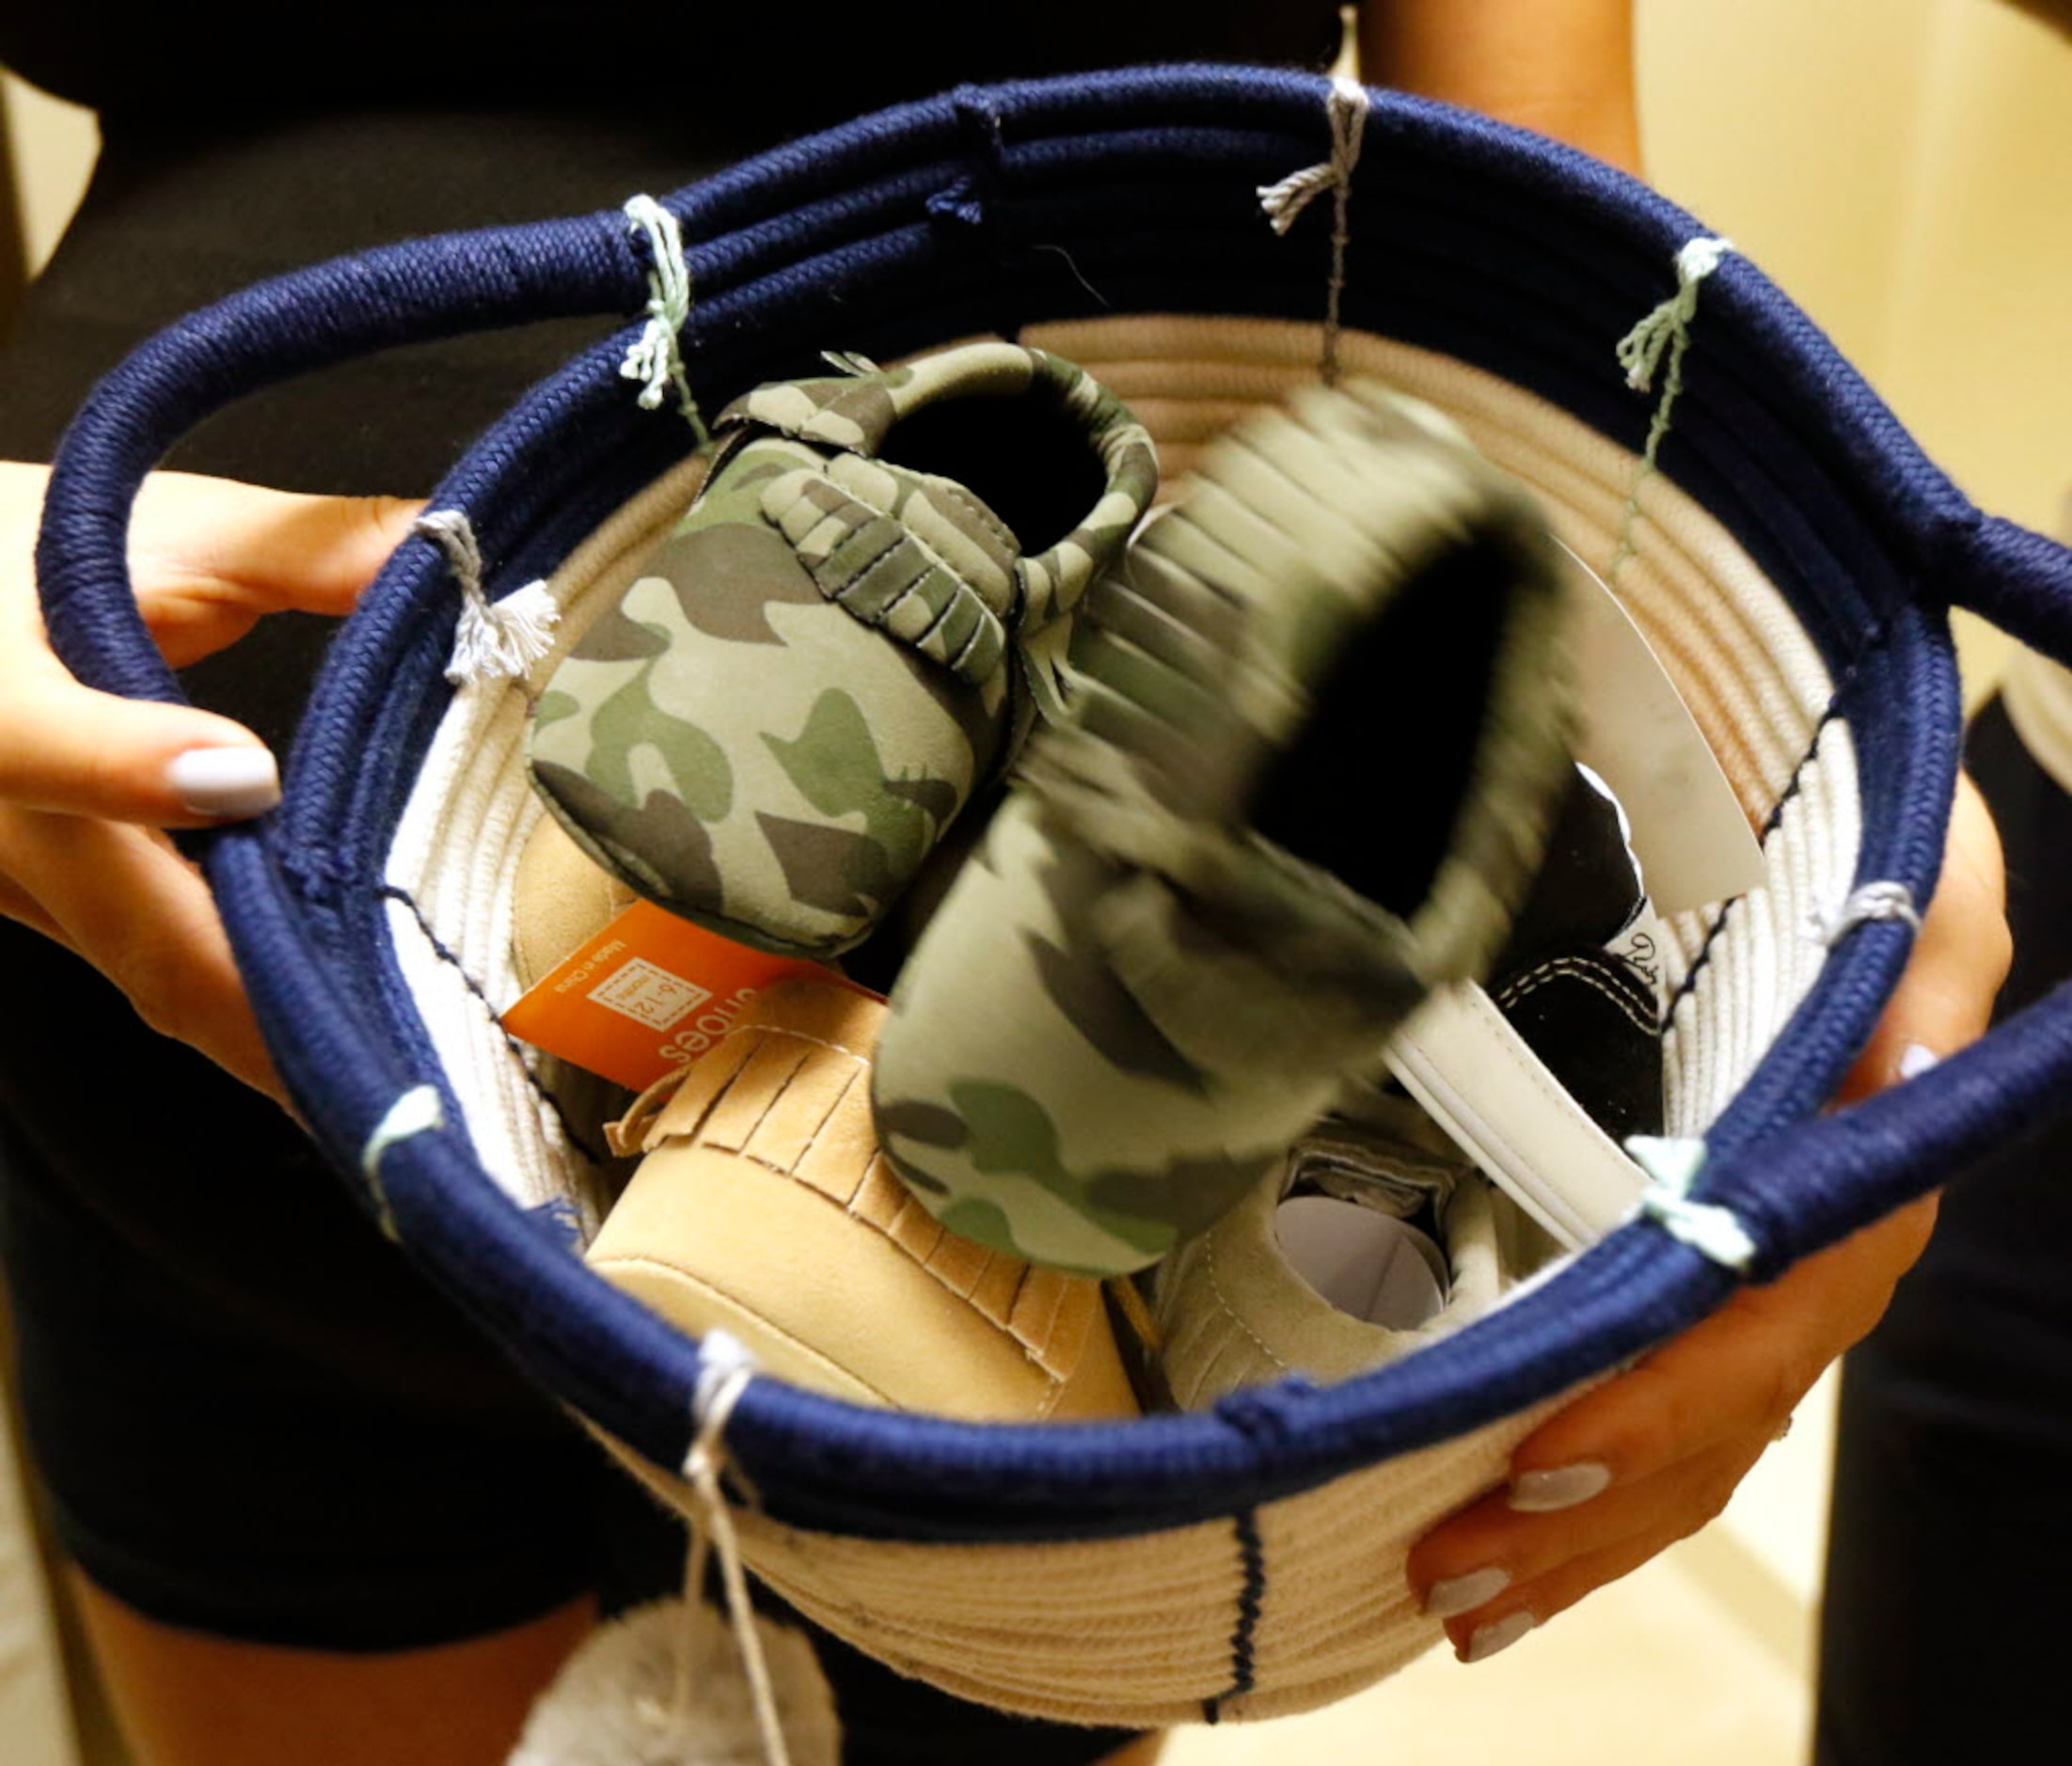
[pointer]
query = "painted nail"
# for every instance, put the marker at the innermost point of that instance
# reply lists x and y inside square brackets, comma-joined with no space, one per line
[1547,1492]
[1486,1640]
[1464,1594]
[1915,1059]
[226,782]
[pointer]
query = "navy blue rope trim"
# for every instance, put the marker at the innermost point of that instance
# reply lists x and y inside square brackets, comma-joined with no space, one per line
[1251,1603]
[1770,825]
[977,200]
[396,894]
[1878,636]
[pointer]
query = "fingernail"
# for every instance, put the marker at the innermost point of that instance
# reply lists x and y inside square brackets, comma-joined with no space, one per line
[1464,1594]
[1915,1059]
[1545,1492]
[1486,1640]
[236,781]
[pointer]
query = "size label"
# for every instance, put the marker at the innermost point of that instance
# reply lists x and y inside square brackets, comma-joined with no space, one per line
[647,993]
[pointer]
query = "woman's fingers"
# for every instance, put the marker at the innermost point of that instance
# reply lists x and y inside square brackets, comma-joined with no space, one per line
[1542,1576]
[1738,1374]
[123,899]
[86,778]
[1649,1456]
[209,557]
[1700,1494]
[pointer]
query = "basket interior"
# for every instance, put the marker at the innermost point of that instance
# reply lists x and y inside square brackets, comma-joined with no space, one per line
[1757,686]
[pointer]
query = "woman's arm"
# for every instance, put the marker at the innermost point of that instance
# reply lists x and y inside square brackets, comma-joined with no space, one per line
[1562,67]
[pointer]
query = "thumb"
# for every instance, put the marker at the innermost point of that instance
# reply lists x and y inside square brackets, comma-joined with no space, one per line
[71,748]
[1944,999]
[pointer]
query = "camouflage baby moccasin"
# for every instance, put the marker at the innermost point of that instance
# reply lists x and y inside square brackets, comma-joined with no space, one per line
[840,639]
[1318,725]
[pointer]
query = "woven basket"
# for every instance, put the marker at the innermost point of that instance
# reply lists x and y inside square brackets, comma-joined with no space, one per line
[1791,555]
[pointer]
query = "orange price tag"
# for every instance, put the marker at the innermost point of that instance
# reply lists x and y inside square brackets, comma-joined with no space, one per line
[645,994]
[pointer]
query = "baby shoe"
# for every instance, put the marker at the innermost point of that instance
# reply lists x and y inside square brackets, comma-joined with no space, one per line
[1317,725]
[559,896]
[1579,978]
[773,725]
[1380,1235]
[1368,1242]
[761,1207]
[1544,1071]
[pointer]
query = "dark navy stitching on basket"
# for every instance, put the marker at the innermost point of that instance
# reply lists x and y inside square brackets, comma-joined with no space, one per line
[1251,1603]
[1770,825]
[318,874]
[396,894]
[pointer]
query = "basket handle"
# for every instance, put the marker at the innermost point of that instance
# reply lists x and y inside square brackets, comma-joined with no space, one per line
[412,293]
[1800,1192]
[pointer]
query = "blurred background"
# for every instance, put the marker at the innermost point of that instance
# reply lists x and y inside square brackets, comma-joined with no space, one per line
[1903,168]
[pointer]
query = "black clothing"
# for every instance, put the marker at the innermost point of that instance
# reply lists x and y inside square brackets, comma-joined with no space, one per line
[1948,1548]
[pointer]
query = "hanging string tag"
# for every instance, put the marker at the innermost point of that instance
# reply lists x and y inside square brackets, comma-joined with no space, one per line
[724,1373]
[1657,346]
[656,1687]
[1284,201]
[1673,1165]
[655,358]
[417,1111]
[1872,901]
[495,641]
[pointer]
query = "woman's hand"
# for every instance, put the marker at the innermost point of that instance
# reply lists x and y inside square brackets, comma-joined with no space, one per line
[1650,1457]
[88,780]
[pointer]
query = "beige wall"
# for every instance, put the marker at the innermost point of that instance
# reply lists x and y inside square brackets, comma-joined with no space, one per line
[54,144]
[1904,169]
[1980,352]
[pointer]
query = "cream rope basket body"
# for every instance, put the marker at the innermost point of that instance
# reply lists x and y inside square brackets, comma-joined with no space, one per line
[1781,540]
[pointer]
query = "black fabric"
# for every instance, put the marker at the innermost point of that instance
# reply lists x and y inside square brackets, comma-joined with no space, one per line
[1950,1543]
[1587,1011]
[742,73]
[254,1419]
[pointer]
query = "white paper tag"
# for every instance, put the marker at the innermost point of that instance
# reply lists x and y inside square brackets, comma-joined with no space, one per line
[1377,1268]
[1694,843]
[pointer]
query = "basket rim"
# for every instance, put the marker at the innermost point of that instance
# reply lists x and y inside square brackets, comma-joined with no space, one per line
[309,933]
